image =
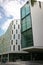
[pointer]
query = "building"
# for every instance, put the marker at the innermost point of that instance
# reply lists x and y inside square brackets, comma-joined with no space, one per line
[10,43]
[31,29]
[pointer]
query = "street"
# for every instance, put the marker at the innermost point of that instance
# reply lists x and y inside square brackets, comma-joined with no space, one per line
[23,63]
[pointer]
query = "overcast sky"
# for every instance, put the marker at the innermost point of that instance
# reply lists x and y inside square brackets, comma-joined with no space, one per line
[9,10]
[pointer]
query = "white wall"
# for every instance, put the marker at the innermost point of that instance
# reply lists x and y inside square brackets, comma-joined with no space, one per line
[16,35]
[37,24]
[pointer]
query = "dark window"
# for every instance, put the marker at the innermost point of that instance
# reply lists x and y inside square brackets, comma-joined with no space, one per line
[11,41]
[14,26]
[16,31]
[18,47]
[14,36]
[14,47]
[12,31]
[18,26]
[18,36]
[16,41]
[39,4]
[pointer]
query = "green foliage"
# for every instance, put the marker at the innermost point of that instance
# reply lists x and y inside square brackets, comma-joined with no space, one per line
[33,2]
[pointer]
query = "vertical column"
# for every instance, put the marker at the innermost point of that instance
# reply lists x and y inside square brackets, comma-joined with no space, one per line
[1,58]
[8,57]
[31,56]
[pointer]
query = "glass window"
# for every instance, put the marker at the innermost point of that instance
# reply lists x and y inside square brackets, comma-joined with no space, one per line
[18,47]
[14,47]
[16,31]
[12,31]
[14,36]
[16,41]
[14,26]
[23,12]
[28,21]
[27,9]
[12,42]
[23,26]
[18,26]
[27,38]
[18,36]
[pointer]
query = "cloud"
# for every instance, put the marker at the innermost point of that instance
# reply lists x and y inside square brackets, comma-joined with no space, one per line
[0,17]
[9,9]
[13,8]
[4,26]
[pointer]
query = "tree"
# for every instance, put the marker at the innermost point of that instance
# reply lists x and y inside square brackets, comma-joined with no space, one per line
[34,1]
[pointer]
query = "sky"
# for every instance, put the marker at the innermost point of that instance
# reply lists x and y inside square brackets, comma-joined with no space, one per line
[9,10]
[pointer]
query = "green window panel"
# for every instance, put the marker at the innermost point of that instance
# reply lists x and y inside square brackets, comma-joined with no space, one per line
[23,25]
[27,39]
[27,9]
[28,21]
[23,12]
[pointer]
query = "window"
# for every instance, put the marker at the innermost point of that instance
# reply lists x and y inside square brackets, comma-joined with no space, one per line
[14,26]
[14,47]
[11,41]
[23,12]
[28,21]
[18,36]
[16,31]
[39,4]
[12,31]
[27,9]
[16,41]
[18,47]
[18,26]
[14,36]
[23,26]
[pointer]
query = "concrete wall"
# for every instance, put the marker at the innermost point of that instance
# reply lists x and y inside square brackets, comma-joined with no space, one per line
[37,23]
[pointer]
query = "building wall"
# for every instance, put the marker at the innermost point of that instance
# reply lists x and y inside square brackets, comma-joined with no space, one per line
[37,23]
[16,35]
[5,40]
[26,26]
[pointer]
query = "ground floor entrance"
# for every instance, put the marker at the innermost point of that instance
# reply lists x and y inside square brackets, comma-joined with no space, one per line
[13,57]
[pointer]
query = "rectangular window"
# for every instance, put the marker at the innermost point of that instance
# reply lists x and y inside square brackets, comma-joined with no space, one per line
[12,31]
[14,36]
[23,12]
[14,47]
[18,26]
[28,21]
[16,31]
[18,47]
[18,36]
[16,41]
[14,26]
[12,42]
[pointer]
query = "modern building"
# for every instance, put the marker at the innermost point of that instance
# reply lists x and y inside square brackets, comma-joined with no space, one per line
[31,29]
[10,43]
